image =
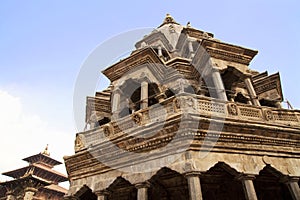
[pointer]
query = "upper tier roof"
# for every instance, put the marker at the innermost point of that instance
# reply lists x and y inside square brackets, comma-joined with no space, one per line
[42,158]
[38,170]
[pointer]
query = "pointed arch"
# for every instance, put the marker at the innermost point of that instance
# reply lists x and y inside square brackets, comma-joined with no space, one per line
[268,184]
[85,193]
[122,189]
[220,182]
[168,184]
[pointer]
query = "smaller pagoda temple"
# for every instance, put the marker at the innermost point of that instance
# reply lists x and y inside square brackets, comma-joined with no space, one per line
[38,180]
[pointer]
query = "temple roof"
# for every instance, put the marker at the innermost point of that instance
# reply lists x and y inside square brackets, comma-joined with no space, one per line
[42,158]
[56,188]
[29,178]
[39,171]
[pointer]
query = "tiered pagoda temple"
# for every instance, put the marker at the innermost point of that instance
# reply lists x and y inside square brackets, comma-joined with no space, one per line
[186,118]
[36,181]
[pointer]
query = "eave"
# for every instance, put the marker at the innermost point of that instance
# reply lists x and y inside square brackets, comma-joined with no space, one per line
[39,171]
[41,158]
[228,52]
[141,57]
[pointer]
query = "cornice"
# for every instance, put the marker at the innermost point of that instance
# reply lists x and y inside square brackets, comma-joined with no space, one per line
[140,58]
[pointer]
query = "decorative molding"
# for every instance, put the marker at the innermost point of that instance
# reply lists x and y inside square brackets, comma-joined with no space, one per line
[192,174]
[108,130]
[145,184]
[232,109]
[105,193]
[268,115]
[137,118]
[176,104]
[242,177]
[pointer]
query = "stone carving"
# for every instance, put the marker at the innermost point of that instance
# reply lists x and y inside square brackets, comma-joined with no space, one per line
[189,102]
[232,109]
[268,115]
[137,118]
[205,35]
[266,159]
[79,142]
[176,104]
[29,193]
[171,29]
[108,130]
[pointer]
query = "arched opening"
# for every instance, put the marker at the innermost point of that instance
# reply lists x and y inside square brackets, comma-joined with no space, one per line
[169,93]
[240,98]
[122,189]
[268,186]
[219,183]
[164,53]
[153,91]
[268,103]
[131,98]
[103,121]
[136,98]
[203,90]
[233,78]
[124,112]
[168,184]
[85,193]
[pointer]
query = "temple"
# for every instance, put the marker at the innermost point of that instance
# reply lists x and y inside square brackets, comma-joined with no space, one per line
[36,181]
[185,117]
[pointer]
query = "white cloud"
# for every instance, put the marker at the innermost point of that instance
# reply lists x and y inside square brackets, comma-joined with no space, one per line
[24,134]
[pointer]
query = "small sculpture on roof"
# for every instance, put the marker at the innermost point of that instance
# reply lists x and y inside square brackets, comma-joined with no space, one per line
[188,25]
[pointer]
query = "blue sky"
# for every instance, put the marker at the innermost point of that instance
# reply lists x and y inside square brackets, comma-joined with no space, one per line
[44,43]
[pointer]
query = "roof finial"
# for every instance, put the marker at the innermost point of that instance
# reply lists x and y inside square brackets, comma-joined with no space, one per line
[169,19]
[188,25]
[46,151]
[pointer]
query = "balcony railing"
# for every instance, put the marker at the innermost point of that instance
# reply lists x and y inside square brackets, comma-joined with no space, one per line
[193,104]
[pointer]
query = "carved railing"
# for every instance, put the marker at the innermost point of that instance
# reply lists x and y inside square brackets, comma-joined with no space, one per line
[193,104]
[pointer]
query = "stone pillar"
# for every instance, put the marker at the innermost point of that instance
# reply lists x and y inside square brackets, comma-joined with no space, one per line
[190,44]
[142,193]
[102,194]
[218,84]
[144,94]
[247,182]
[116,100]
[194,186]
[292,184]
[29,193]
[191,49]
[159,51]
[251,91]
